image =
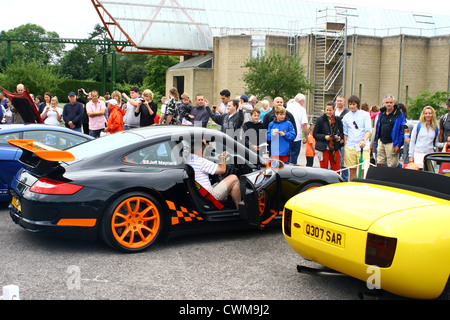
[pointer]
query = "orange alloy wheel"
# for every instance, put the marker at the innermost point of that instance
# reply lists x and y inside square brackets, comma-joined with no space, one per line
[135,222]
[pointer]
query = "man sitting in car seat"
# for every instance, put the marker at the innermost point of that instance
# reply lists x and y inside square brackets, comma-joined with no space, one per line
[203,168]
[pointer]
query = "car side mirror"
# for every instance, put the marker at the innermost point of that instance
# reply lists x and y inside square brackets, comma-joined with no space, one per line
[275,164]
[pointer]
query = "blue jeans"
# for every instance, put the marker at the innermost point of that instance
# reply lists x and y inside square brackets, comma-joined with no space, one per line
[344,173]
[295,151]
[95,133]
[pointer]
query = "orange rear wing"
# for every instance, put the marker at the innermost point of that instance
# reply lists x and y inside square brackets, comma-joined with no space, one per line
[42,151]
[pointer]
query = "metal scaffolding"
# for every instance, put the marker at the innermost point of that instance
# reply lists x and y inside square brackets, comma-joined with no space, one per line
[330,53]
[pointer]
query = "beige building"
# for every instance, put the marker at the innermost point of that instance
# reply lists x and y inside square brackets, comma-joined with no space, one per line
[368,51]
[402,65]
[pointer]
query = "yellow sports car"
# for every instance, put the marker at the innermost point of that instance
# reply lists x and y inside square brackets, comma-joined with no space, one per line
[391,230]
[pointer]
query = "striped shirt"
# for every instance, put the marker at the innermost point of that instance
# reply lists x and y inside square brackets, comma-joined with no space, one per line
[203,168]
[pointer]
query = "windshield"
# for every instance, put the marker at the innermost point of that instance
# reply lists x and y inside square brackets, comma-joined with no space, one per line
[105,144]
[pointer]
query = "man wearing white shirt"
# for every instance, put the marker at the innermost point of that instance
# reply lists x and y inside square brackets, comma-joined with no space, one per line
[225,97]
[357,130]
[203,168]
[301,121]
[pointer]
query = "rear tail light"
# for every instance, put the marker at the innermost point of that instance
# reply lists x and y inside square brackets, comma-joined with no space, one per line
[380,250]
[287,221]
[48,186]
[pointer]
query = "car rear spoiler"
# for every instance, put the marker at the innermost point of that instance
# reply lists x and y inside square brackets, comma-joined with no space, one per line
[40,158]
[42,151]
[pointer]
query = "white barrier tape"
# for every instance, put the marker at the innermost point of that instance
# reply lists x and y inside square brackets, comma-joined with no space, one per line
[366,165]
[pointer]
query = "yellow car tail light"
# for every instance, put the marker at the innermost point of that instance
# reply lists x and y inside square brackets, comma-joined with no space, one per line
[287,221]
[380,250]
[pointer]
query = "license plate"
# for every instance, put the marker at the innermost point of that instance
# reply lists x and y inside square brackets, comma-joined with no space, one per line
[16,203]
[324,234]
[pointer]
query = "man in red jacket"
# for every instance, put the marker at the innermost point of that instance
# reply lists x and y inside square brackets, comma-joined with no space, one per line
[115,120]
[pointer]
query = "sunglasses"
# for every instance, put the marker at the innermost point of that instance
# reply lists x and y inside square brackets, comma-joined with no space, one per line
[354,123]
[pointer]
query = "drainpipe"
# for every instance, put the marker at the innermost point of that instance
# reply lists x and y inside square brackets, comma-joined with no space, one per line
[310,42]
[355,39]
[448,83]
[345,57]
[402,38]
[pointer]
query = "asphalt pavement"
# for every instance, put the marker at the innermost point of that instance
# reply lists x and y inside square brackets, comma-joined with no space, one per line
[236,265]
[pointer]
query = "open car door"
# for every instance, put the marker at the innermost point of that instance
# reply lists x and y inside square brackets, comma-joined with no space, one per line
[261,195]
[437,162]
[24,104]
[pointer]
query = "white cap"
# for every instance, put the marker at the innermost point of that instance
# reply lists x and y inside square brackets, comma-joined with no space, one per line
[113,102]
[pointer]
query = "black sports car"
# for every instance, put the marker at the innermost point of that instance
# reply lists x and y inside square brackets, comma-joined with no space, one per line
[133,187]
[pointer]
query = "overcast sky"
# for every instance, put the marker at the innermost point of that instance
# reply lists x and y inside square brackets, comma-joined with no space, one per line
[76,19]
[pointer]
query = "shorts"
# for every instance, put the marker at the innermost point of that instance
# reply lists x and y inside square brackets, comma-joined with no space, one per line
[386,154]
[351,157]
[220,191]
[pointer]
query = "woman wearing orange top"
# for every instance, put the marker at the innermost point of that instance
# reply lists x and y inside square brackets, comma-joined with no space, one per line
[115,120]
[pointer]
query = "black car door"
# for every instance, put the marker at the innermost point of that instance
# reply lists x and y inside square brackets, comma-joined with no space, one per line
[261,197]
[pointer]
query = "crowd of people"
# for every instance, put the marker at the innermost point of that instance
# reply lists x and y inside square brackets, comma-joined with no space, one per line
[339,138]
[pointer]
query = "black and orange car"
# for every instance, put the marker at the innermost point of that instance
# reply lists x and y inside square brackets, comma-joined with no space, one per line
[133,187]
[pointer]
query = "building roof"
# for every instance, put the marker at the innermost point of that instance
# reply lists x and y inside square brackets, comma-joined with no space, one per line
[200,62]
[190,25]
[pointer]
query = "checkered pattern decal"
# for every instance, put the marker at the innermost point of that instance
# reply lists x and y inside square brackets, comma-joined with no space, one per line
[182,215]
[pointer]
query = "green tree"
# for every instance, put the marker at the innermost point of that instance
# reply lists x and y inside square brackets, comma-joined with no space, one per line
[131,68]
[273,74]
[37,79]
[76,63]
[156,68]
[435,99]
[42,52]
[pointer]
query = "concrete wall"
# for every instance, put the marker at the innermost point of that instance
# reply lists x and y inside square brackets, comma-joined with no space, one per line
[230,55]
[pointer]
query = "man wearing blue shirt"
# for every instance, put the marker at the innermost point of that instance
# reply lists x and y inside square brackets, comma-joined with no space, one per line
[357,130]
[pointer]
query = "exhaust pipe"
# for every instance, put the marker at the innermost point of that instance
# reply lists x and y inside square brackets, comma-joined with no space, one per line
[320,272]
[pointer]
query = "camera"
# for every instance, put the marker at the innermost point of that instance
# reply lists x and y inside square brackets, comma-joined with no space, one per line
[335,137]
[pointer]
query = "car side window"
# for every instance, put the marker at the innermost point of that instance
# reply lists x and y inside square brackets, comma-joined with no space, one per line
[55,139]
[159,154]
[216,148]
[9,136]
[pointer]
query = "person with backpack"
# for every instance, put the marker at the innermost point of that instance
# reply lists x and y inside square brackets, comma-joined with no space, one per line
[424,136]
